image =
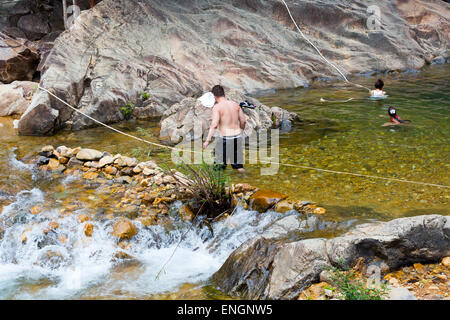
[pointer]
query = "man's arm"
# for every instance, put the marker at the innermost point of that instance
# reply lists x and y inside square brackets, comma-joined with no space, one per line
[213,126]
[242,118]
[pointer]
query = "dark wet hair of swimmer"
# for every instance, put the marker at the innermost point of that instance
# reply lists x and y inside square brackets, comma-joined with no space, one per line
[379,84]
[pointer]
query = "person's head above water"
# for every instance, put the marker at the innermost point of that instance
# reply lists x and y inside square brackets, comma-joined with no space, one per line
[218,92]
[392,112]
[379,84]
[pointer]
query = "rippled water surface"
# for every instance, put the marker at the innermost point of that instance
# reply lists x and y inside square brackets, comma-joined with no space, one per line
[337,136]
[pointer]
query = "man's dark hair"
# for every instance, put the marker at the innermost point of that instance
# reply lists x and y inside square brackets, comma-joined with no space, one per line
[379,84]
[218,91]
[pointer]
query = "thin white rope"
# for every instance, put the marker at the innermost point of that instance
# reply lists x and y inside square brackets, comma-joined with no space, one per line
[319,52]
[263,161]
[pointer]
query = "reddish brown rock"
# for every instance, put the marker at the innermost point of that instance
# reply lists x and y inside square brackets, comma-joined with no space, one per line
[262,200]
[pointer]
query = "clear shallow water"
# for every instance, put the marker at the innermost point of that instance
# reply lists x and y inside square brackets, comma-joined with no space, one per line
[336,136]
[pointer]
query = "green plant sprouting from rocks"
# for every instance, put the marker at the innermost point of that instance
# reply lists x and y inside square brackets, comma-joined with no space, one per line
[208,187]
[346,283]
[127,111]
[145,95]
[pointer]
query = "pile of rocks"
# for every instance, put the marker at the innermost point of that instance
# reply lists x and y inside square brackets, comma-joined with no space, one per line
[150,186]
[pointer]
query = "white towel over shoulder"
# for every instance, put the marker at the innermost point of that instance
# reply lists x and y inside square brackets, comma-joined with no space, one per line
[207,100]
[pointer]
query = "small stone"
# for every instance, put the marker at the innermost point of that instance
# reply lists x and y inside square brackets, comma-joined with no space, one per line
[418,267]
[284,206]
[124,229]
[89,155]
[83,218]
[124,179]
[63,160]
[53,164]
[186,213]
[319,211]
[105,161]
[74,162]
[42,161]
[110,170]
[88,229]
[149,172]
[262,200]
[90,175]
[35,210]
[446,262]
[127,171]
[48,149]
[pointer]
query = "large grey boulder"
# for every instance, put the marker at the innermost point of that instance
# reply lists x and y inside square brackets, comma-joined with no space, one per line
[291,267]
[179,49]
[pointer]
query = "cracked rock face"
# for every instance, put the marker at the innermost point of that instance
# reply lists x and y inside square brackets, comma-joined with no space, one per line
[270,269]
[179,49]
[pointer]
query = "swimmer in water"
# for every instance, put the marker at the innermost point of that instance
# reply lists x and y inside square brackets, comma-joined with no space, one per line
[394,118]
[378,92]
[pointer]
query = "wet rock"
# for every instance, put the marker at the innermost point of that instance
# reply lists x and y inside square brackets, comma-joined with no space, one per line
[320,211]
[246,272]
[293,266]
[124,230]
[15,97]
[89,155]
[42,161]
[90,175]
[186,213]
[284,206]
[123,161]
[39,118]
[263,200]
[107,160]
[88,229]
[446,261]
[110,170]
[124,180]
[67,152]
[74,162]
[283,227]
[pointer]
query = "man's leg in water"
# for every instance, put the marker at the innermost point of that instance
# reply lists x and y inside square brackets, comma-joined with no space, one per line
[220,162]
[238,155]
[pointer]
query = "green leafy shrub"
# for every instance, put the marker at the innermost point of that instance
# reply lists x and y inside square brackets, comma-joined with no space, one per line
[127,111]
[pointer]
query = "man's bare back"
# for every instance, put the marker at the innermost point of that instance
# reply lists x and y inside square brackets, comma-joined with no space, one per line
[228,117]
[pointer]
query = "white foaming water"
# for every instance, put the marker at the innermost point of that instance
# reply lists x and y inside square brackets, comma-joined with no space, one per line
[65,264]
[17,163]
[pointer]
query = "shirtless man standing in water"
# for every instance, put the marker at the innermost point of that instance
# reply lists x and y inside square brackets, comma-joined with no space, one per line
[229,118]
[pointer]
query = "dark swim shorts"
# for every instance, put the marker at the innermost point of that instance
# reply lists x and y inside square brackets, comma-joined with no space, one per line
[229,149]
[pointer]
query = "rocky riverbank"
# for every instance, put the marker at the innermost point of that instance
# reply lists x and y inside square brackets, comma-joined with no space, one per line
[145,191]
[272,269]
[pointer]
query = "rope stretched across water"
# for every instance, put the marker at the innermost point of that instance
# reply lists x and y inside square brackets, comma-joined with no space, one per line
[263,161]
